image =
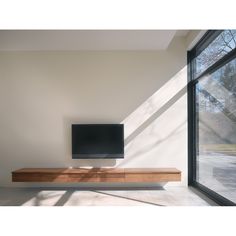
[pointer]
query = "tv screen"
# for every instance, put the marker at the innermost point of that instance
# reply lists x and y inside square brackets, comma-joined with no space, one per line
[97,141]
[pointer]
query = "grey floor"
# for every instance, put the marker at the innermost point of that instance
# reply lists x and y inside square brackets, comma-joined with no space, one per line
[168,196]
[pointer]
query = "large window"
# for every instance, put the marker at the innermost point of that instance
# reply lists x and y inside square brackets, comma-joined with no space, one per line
[212,111]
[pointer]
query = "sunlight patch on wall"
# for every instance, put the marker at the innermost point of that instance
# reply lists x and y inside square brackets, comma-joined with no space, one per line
[155,102]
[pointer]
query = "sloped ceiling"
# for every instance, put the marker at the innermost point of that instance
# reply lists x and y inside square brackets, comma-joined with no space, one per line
[27,40]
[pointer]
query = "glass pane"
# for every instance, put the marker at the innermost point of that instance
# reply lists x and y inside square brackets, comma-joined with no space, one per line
[219,47]
[216,131]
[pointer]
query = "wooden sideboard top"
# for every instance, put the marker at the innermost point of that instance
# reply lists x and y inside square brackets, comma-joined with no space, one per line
[97,170]
[152,170]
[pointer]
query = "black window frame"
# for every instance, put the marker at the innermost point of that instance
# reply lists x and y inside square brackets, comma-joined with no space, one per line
[207,38]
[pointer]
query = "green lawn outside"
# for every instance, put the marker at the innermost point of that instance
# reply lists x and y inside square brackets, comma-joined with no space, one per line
[221,148]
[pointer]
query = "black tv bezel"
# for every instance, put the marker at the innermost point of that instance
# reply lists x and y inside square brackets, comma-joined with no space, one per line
[97,156]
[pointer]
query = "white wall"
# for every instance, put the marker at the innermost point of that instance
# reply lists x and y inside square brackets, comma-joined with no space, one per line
[43,93]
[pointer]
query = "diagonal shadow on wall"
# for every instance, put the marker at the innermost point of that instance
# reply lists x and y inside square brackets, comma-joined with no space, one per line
[149,121]
[158,113]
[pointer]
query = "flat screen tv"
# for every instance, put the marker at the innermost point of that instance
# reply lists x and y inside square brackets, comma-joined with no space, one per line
[91,141]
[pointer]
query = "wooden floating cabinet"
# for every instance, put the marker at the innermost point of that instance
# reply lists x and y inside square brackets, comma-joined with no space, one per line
[121,175]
